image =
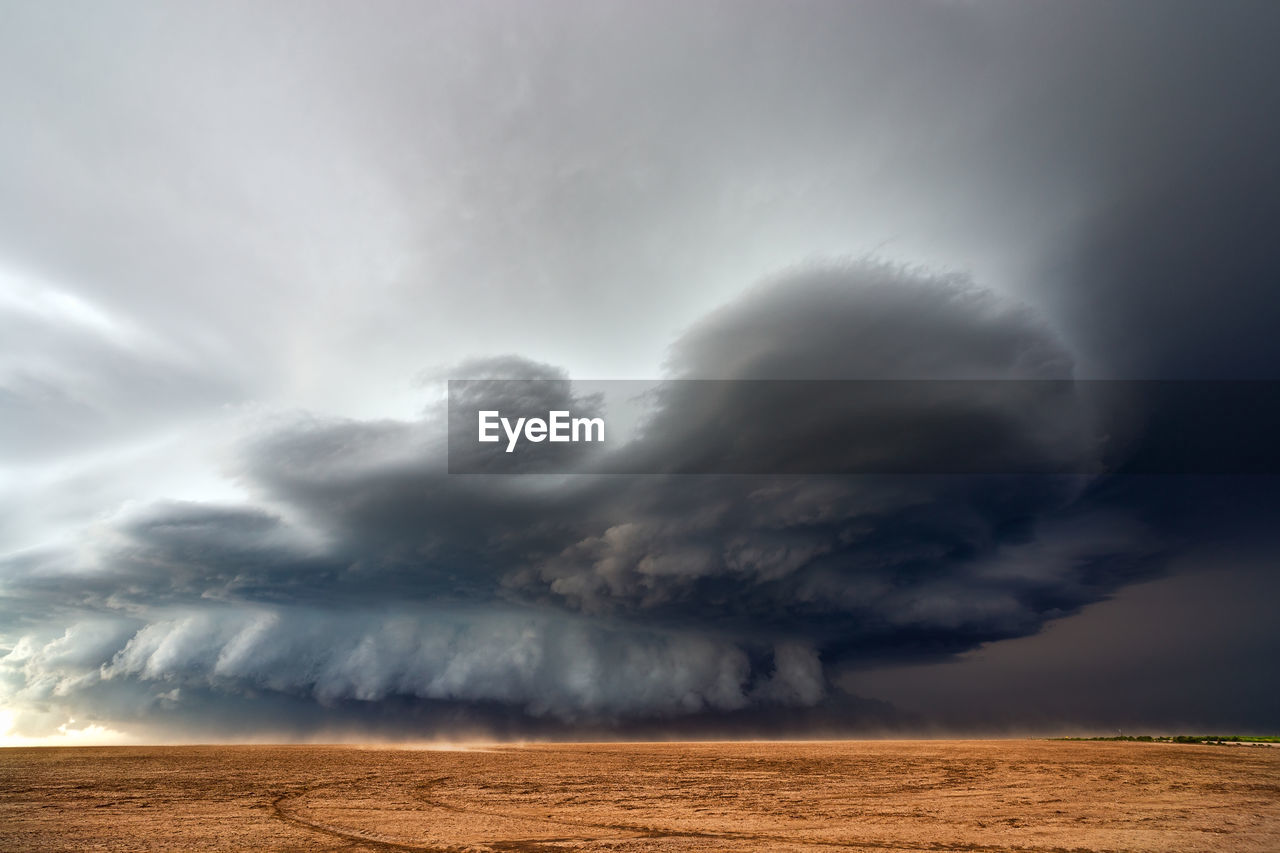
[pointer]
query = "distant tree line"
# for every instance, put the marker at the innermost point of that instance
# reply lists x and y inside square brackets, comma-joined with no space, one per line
[1185,738]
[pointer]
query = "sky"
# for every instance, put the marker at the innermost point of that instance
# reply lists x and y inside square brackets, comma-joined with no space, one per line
[243,245]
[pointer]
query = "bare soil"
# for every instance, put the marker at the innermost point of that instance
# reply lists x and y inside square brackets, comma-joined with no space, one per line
[854,795]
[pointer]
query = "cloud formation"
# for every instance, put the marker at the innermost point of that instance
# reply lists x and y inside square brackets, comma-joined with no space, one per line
[362,573]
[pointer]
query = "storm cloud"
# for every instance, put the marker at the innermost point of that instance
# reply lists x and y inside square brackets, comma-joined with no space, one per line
[363,572]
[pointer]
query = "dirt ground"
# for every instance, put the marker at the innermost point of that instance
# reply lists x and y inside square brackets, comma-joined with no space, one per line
[856,795]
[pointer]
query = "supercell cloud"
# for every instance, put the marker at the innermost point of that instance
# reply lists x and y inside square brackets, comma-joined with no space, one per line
[363,572]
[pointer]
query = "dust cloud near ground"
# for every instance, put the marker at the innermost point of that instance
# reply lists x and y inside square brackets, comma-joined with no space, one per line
[777,796]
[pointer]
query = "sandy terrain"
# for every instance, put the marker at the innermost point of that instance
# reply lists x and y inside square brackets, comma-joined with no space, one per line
[877,795]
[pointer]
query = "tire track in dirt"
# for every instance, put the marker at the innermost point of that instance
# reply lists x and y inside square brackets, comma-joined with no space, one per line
[614,832]
[760,840]
[280,811]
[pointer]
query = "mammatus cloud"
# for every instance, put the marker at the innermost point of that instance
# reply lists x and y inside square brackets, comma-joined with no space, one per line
[362,576]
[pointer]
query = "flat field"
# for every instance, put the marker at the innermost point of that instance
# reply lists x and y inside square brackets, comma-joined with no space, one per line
[856,795]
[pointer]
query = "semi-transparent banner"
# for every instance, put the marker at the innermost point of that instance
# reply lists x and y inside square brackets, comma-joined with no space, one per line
[695,426]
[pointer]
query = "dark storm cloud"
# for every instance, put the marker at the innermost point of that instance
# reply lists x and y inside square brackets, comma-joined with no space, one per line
[873,566]
[867,321]
[367,574]
[1168,267]
[1179,653]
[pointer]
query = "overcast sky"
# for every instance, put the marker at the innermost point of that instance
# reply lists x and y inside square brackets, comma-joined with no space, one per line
[241,244]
